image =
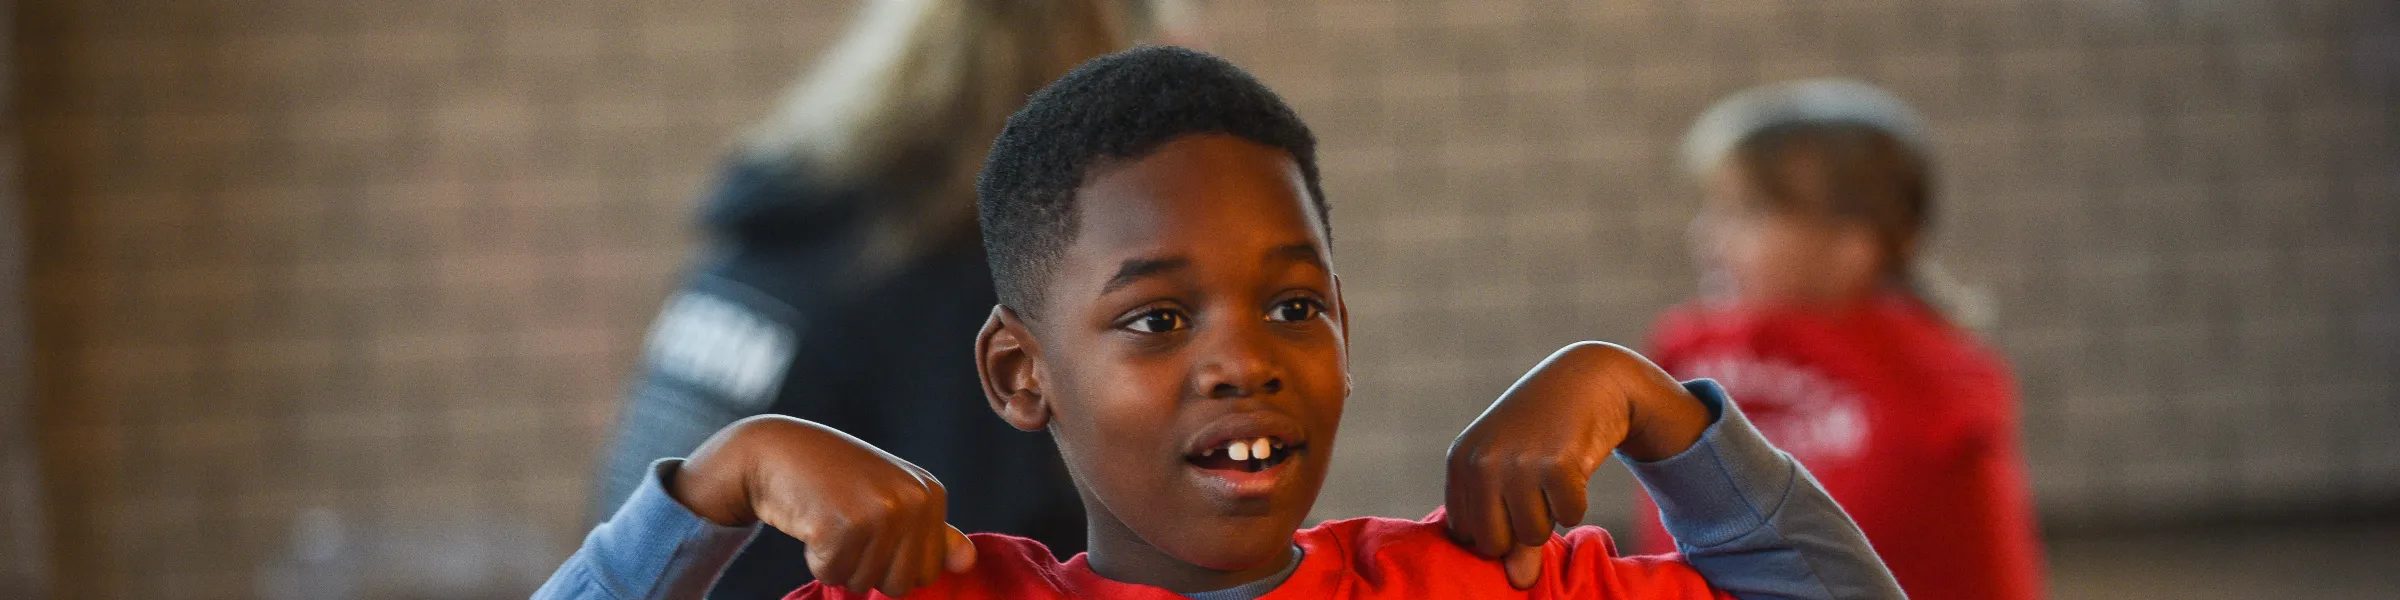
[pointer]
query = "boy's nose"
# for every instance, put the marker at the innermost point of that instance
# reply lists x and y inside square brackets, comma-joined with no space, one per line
[1232,390]
[1237,368]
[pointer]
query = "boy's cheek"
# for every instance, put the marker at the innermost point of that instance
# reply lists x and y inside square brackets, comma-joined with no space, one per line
[1122,399]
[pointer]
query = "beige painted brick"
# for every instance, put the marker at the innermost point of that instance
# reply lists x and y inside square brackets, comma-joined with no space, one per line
[406,45]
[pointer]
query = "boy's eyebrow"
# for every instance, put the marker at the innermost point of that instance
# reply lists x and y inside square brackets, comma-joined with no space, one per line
[1133,269]
[1298,252]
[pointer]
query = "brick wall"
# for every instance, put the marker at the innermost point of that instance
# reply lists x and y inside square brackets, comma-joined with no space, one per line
[330,283]
[23,542]
[348,288]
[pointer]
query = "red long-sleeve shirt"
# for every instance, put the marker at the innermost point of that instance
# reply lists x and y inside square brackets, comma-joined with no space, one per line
[1905,420]
[1759,527]
[1362,558]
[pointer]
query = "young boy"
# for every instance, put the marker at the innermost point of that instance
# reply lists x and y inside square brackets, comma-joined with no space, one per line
[1170,315]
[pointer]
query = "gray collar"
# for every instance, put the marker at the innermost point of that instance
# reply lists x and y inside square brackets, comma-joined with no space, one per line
[1252,590]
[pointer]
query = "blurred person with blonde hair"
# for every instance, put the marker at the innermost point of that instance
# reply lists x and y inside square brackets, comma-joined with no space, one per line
[844,281]
[1844,346]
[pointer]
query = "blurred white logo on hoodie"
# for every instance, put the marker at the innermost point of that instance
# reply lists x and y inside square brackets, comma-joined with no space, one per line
[1802,411]
[722,347]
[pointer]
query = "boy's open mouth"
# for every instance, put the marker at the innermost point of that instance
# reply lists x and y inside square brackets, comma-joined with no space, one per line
[1247,455]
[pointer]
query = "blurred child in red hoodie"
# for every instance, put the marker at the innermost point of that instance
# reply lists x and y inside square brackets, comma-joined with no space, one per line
[1817,196]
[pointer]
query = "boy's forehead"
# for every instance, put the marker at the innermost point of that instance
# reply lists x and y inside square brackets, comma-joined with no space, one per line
[1198,193]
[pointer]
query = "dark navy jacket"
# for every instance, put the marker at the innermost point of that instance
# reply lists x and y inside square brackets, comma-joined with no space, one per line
[776,318]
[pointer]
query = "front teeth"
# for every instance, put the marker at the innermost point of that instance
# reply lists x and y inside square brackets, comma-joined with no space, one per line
[1258,448]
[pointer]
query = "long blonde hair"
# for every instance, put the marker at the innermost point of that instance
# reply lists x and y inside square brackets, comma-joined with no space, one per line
[904,106]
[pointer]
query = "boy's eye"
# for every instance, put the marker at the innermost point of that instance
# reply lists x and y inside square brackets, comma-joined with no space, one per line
[1294,310]
[1157,321]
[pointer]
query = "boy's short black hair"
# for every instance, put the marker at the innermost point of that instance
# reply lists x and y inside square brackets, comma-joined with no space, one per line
[1115,107]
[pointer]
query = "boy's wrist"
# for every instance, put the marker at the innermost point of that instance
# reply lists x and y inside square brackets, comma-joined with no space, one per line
[714,482]
[1662,419]
[1665,418]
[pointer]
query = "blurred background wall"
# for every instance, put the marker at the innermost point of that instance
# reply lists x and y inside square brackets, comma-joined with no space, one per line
[318,283]
[23,564]
[334,299]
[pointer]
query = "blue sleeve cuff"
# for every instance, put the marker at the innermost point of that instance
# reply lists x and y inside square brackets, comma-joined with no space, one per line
[655,548]
[1726,485]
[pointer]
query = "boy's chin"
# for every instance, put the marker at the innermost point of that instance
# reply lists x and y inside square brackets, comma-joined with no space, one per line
[1235,543]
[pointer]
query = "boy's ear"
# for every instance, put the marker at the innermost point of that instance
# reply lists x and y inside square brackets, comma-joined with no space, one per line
[1341,309]
[1008,363]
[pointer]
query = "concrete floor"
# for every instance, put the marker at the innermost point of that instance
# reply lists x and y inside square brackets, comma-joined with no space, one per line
[2311,561]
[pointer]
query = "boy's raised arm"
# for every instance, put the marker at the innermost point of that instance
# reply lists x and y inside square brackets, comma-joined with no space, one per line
[870,520]
[651,547]
[1745,515]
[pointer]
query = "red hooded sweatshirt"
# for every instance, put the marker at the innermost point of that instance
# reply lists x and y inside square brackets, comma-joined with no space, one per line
[1905,420]
[1368,557]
